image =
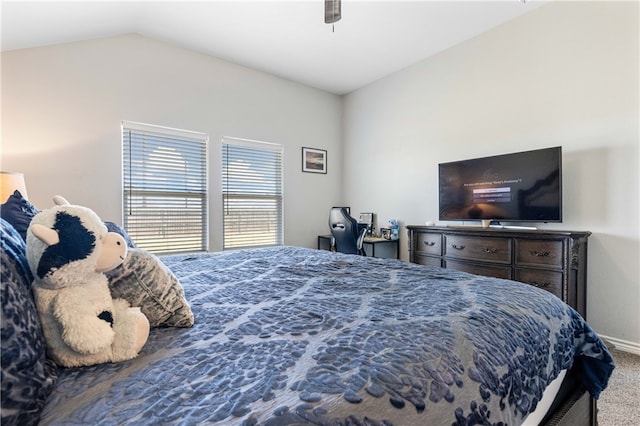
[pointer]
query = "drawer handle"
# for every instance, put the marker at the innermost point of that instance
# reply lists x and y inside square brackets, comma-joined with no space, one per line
[429,243]
[457,247]
[543,284]
[537,253]
[490,250]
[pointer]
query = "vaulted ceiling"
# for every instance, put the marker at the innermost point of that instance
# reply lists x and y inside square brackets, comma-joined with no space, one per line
[285,38]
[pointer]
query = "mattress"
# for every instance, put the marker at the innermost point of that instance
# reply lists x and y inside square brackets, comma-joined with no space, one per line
[289,335]
[544,405]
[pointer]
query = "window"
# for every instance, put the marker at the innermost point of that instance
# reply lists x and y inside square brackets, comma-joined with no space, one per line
[165,188]
[251,193]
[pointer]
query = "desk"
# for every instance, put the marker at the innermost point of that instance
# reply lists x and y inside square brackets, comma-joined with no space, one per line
[385,248]
[374,247]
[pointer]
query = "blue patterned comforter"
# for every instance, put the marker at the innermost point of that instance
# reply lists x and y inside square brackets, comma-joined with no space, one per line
[298,336]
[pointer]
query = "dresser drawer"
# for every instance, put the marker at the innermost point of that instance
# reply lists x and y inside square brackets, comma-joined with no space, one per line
[552,260]
[428,243]
[547,280]
[539,253]
[474,268]
[485,249]
[428,260]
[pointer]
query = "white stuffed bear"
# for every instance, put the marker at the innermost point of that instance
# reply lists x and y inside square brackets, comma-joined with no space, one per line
[68,249]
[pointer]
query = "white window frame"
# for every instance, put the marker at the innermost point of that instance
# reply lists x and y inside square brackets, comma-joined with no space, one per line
[251,190]
[165,205]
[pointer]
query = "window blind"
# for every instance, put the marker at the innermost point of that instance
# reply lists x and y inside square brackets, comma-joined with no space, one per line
[251,193]
[165,188]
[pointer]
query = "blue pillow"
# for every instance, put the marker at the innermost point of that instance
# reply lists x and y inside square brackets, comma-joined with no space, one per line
[114,227]
[27,375]
[18,211]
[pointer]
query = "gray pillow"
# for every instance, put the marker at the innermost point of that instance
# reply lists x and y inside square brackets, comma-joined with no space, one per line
[144,281]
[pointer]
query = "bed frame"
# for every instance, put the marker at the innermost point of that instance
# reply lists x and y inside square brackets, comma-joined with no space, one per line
[573,406]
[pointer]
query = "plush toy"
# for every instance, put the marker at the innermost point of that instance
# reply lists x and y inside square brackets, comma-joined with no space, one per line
[394,226]
[68,249]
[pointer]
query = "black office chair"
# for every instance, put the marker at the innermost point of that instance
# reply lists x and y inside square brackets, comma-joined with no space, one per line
[347,234]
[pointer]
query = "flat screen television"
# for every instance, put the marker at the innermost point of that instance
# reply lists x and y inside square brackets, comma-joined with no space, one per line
[518,187]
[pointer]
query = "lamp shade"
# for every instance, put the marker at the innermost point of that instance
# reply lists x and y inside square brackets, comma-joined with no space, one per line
[9,182]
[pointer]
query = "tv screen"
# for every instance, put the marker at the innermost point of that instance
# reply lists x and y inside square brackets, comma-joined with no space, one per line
[518,187]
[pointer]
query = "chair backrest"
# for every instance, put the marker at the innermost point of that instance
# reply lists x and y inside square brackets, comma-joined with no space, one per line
[347,233]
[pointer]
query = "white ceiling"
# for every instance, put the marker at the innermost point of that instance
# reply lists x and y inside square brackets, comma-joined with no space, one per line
[285,38]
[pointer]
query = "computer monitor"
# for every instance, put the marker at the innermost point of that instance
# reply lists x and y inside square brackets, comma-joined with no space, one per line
[367,218]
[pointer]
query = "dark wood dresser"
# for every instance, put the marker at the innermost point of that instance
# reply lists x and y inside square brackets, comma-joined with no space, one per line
[553,260]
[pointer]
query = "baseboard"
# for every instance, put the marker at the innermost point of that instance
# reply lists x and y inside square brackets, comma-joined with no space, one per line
[622,345]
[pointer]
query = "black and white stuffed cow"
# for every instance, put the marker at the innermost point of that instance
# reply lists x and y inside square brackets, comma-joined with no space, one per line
[68,249]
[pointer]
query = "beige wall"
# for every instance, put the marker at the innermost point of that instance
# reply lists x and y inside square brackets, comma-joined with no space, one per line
[565,74]
[62,107]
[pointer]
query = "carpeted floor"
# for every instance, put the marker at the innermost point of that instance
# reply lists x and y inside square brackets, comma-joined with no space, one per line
[619,404]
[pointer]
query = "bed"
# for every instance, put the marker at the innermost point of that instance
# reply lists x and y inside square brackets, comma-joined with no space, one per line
[294,336]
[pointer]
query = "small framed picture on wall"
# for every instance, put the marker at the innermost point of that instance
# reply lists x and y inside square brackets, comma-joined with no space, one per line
[314,160]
